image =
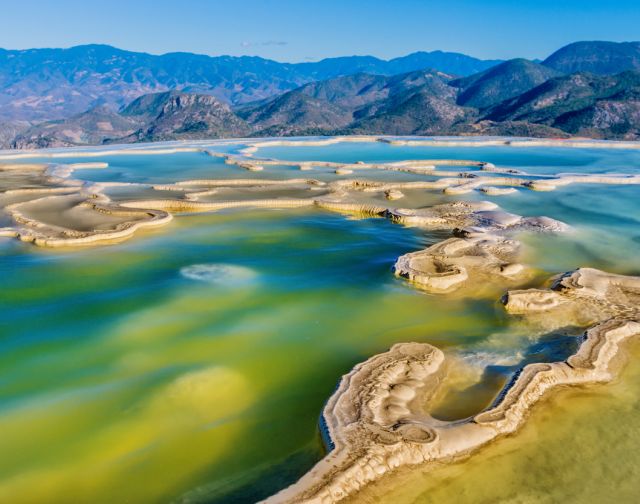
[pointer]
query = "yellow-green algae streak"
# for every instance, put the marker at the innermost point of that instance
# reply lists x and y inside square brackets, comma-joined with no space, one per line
[190,363]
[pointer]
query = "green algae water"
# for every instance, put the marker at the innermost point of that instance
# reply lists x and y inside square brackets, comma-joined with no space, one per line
[191,363]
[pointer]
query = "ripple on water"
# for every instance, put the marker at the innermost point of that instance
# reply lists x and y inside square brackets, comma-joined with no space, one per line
[220,274]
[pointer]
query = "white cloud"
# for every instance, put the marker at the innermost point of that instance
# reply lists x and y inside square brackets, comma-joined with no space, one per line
[246,43]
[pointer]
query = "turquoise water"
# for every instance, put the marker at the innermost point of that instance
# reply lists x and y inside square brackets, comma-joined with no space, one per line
[190,363]
[539,160]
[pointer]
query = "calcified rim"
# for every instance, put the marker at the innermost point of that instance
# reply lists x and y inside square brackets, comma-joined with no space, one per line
[378,418]
[154,212]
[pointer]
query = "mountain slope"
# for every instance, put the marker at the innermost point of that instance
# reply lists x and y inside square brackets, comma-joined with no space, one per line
[501,82]
[348,91]
[297,111]
[429,103]
[413,112]
[159,116]
[47,84]
[447,62]
[598,57]
[185,116]
[324,105]
[9,130]
[92,127]
[516,97]
[336,103]
[584,104]
[53,83]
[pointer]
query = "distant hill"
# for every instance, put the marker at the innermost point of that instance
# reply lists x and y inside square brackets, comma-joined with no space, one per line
[9,130]
[159,116]
[47,84]
[582,103]
[179,116]
[87,128]
[447,62]
[598,57]
[295,111]
[501,82]
[417,103]
[414,112]
[516,97]
[337,103]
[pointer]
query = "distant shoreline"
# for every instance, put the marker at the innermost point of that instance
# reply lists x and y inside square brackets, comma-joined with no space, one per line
[172,146]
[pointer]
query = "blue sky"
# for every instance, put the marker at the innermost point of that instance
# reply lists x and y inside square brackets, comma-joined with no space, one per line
[303,30]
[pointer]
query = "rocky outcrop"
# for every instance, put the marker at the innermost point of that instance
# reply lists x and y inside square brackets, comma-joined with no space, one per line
[175,116]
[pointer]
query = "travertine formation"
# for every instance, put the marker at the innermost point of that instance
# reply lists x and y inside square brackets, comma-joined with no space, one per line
[379,417]
[71,207]
[481,251]
[583,297]
[447,265]
[51,187]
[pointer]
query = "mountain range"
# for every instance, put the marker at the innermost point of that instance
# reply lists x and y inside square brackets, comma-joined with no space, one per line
[46,84]
[99,94]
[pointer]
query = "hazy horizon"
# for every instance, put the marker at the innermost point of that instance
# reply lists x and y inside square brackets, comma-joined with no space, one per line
[542,57]
[287,31]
